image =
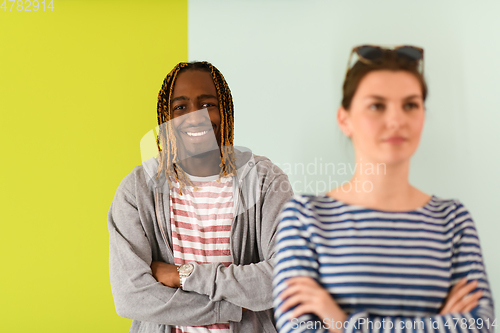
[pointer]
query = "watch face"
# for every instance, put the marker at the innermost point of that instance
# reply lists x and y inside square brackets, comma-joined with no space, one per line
[186,269]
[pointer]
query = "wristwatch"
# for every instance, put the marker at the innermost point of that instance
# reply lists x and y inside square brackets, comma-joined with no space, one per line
[184,271]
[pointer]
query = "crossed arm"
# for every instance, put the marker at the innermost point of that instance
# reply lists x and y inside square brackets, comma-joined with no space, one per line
[168,275]
[136,292]
[237,283]
[298,294]
[147,290]
[309,297]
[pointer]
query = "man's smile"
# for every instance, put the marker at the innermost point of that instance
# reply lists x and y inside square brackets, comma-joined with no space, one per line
[197,133]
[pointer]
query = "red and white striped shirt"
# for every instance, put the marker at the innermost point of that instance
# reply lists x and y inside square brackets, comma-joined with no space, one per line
[201,227]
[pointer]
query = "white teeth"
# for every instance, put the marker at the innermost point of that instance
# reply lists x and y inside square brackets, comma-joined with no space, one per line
[197,134]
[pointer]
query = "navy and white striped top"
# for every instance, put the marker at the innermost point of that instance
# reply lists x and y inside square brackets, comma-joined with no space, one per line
[381,266]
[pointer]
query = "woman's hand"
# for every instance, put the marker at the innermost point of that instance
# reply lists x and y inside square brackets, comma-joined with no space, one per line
[310,297]
[459,300]
[167,274]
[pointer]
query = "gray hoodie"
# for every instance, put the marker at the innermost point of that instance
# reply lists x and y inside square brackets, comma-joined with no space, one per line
[139,233]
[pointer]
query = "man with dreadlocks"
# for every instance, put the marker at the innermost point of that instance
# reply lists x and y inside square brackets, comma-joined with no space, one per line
[192,231]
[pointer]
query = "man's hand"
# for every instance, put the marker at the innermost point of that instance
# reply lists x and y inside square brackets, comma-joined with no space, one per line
[459,300]
[310,297]
[166,274]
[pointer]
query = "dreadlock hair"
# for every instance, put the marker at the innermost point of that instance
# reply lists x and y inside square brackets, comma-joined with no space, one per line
[166,141]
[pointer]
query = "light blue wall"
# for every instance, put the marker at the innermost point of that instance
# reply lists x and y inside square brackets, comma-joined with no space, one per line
[285,61]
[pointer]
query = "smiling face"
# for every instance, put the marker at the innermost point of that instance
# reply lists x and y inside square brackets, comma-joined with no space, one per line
[198,131]
[386,117]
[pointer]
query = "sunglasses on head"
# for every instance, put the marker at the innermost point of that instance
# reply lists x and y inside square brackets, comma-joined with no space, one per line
[369,54]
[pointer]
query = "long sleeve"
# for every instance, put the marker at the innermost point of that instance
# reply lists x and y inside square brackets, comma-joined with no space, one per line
[444,229]
[250,285]
[295,256]
[467,261]
[136,292]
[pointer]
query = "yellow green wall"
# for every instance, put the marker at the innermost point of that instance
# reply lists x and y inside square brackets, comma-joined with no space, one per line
[78,91]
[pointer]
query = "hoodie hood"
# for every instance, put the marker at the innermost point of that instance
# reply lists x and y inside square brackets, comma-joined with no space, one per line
[246,188]
[244,159]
